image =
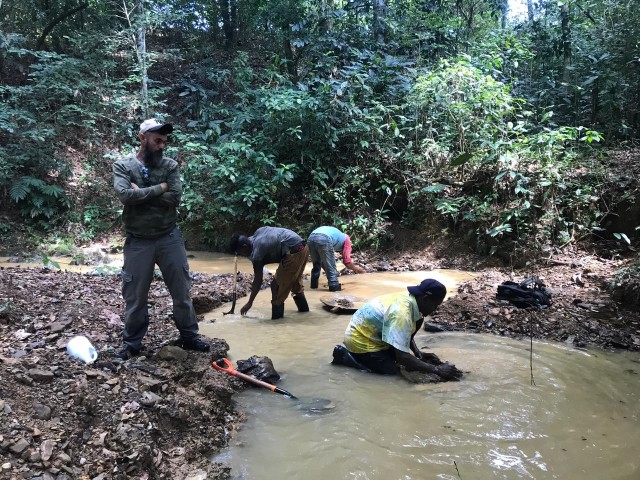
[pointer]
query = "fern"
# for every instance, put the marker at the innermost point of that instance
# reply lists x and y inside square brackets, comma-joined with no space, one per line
[25,186]
[51,190]
[39,198]
[19,191]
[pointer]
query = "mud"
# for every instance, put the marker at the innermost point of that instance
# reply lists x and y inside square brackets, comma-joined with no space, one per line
[163,414]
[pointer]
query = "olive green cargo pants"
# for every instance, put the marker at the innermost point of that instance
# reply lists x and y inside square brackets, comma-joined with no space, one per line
[141,255]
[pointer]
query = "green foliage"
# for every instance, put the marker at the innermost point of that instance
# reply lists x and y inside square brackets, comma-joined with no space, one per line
[96,213]
[540,195]
[61,105]
[48,263]
[26,147]
[234,179]
[462,109]
[349,114]
[37,199]
[279,135]
[97,219]
[107,271]
[61,247]
[593,82]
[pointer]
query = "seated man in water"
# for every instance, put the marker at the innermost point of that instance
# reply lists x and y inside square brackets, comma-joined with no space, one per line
[380,335]
[275,245]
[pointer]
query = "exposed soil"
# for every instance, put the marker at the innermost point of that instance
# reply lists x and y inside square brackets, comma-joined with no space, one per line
[583,312]
[162,415]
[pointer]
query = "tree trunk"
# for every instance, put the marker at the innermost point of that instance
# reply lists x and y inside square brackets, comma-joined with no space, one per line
[325,22]
[566,40]
[229,14]
[142,60]
[595,104]
[530,10]
[467,14]
[290,59]
[141,51]
[52,24]
[379,14]
[233,16]
[136,21]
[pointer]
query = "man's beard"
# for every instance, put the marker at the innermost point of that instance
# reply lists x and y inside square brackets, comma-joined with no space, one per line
[151,158]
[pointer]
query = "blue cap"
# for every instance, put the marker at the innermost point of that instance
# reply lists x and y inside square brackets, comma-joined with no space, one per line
[431,287]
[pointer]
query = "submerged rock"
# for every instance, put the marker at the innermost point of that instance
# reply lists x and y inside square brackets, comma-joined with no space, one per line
[419,377]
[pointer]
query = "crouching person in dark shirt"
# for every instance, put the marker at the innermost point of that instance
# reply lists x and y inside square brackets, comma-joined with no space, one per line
[289,251]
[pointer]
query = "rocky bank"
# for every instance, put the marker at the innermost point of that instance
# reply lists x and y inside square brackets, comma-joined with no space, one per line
[163,414]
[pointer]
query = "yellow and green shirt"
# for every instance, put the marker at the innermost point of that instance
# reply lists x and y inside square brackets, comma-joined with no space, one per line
[388,320]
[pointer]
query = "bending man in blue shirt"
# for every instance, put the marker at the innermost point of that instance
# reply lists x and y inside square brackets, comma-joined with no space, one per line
[323,242]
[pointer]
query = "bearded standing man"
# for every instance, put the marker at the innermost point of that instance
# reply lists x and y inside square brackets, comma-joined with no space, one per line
[149,186]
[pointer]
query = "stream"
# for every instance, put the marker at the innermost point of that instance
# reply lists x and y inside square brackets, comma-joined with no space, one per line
[580,420]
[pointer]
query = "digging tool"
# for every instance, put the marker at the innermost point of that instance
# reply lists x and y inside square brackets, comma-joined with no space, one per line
[235,286]
[224,365]
[311,407]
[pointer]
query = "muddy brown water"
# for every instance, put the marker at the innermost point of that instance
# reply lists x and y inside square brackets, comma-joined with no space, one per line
[203,262]
[581,419]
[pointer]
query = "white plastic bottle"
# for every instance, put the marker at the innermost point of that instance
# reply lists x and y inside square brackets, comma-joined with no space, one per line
[80,347]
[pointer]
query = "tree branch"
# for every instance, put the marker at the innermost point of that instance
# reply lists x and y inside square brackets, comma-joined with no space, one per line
[52,24]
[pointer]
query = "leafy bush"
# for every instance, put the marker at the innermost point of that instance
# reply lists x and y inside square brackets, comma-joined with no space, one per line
[37,199]
[626,286]
[60,247]
[233,179]
[502,181]
[285,152]
[462,110]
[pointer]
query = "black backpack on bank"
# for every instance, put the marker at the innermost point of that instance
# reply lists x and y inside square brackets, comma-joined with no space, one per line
[530,293]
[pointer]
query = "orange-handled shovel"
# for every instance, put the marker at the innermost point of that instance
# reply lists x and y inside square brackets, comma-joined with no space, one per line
[224,365]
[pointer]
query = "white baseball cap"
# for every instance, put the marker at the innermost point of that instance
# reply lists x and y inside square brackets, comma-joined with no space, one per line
[152,125]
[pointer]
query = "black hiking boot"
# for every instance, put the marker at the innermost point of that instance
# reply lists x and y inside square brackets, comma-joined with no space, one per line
[335,287]
[196,344]
[127,352]
[342,356]
[301,302]
[277,311]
